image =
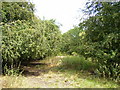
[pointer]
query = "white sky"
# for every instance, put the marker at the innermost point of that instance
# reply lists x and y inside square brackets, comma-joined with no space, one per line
[65,12]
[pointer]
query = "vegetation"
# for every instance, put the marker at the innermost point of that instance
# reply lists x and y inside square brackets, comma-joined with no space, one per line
[28,40]
[55,76]
[78,63]
[12,11]
[98,38]
[71,40]
[103,39]
[91,49]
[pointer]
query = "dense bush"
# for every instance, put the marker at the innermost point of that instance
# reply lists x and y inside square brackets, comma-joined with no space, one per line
[24,36]
[12,11]
[71,40]
[23,40]
[102,37]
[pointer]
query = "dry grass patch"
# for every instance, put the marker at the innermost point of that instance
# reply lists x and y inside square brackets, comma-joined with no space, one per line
[13,81]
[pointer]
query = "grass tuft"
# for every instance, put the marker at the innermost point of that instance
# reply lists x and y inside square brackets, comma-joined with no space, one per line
[78,63]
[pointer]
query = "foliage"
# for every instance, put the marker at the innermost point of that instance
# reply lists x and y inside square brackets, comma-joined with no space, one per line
[102,37]
[12,71]
[24,36]
[71,40]
[78,63]
[12,11]
[53,37]
[21,41]
[99,37]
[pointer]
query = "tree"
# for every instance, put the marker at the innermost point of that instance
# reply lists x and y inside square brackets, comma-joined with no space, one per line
[24,36]
[102,36]
[12,11]
[71,41]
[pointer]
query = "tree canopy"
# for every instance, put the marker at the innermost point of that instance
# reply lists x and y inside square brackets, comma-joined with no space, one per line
[12,11]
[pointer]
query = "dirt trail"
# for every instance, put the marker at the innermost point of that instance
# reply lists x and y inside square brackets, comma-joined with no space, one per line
[39,74]
[45,74]
[47,80]
[39,67]
[1,82]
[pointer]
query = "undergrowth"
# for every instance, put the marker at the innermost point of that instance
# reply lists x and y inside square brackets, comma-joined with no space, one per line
[78,63]
[64,73]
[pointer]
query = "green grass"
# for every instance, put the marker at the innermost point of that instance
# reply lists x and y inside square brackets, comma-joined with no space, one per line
[85,80]
[78,63]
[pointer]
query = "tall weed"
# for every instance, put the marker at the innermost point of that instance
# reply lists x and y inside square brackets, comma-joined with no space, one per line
[78,63]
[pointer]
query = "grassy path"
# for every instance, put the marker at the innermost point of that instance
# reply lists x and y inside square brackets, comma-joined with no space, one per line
[48,74]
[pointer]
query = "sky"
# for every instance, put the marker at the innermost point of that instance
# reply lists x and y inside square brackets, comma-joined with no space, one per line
[65,12]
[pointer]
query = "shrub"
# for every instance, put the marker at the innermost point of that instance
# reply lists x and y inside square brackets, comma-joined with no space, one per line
[23,40]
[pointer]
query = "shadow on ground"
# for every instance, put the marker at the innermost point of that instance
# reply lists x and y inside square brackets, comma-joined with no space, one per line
[35,68]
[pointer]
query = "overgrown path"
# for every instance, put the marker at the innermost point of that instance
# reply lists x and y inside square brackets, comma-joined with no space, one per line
[48,74]
[42,74]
